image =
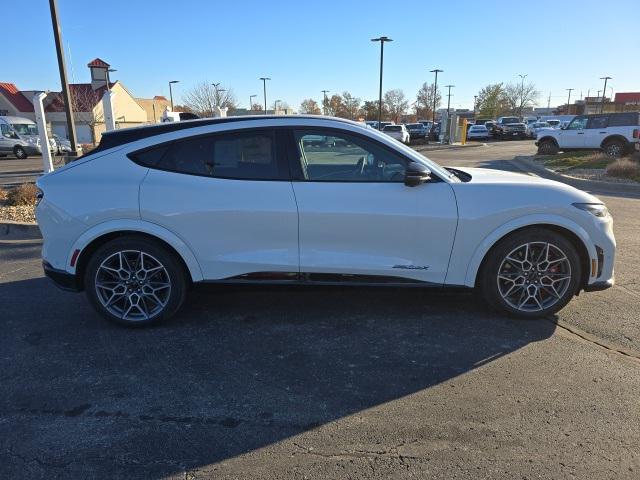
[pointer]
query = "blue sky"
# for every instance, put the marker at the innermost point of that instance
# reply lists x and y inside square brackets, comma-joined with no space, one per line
[307,46]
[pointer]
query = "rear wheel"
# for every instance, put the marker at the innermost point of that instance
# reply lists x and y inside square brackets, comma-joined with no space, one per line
[614,148]
[547,147]
[20,152]
[135,281]
[530,274]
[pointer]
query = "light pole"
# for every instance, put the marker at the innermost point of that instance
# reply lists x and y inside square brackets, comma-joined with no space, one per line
[381,40]
[264,91]
[475,103]
[171,92]
[251,102]
[109,70]
[62,68]
[324,102]
[569,99]
[604,92]
[449,97]
[522,77]
[275,106]
[435,92]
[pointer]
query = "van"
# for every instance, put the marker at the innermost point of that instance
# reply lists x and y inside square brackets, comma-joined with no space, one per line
[19,136]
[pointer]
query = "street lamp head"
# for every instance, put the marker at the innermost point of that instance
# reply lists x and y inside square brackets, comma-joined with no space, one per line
[436,70]
[382,39]
[174,81]
[606,78]
[264,78]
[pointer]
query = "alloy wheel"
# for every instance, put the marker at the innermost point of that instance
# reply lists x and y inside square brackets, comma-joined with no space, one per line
[534,276]
[133,285]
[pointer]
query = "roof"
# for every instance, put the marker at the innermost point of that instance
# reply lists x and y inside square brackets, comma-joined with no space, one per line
[116,138]
[627,97]
[98,62]
[17,98]
[160,97]
[85,98]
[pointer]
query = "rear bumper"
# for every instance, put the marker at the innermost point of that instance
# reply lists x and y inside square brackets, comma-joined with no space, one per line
[63,280]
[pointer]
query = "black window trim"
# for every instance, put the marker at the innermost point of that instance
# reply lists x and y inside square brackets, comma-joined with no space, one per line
[279,152]
[297,173]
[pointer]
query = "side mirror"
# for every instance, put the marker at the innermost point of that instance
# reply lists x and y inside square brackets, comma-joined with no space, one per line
[416,174]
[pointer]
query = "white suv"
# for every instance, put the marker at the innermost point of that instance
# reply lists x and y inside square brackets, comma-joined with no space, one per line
[154,210]
[613,133]
[399,132]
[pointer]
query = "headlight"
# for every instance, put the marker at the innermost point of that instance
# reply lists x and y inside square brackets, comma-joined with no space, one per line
[595,209]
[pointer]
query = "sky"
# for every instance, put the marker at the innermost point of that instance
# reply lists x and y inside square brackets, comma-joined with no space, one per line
[306,46]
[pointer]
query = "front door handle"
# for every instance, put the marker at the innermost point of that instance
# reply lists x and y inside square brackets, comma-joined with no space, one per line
[603,132]
[580,133]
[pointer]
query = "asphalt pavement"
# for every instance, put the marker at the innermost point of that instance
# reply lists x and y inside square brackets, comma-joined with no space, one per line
[323,383]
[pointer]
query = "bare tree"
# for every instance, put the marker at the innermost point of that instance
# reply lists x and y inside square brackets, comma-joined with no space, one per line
[310,106]
[424,100]
[256,107]
[204,97]
[519,96]
[396,102]
[351,105]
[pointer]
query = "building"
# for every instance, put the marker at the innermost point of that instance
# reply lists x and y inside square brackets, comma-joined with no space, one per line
[86,101]
[622,102]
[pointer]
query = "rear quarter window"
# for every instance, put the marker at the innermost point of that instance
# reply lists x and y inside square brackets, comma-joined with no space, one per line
[624,119]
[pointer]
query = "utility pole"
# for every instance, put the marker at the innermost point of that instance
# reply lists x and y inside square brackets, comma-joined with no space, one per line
[475,103]
[449,98]
[381,40]
[435,93]
[604,92]
[66,95]
[569,99]
[549,101]
[324,101]
[264,91]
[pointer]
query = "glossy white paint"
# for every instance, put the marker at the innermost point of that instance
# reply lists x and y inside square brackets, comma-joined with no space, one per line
[223,228]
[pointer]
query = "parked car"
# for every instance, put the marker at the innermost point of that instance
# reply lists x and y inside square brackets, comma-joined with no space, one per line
[613,133]
[434,133]
[417,131]
[426,123]
[554,123]
[19,137]
[477,132]
[509,127]
[62,144]
[372,123]
[399,132]
[159,214]
[534,128]
[490,124]
[385,124]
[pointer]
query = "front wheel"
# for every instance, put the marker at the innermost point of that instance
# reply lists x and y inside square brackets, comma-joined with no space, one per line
[531,274]
[20,153]
[547,147]
[135,281]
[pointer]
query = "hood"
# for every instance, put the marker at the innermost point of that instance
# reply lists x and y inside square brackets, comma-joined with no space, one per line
[486,176]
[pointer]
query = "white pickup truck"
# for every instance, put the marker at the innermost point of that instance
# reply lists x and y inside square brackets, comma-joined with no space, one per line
[614,133]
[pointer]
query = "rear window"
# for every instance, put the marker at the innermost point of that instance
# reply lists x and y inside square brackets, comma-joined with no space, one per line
[624,119]
[393,128]
[249,156]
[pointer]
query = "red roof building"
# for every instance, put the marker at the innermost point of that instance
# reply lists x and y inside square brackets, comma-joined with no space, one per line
[628,98]
[15,97]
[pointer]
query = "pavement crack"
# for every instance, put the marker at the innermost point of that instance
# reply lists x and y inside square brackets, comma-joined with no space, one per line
[610,347]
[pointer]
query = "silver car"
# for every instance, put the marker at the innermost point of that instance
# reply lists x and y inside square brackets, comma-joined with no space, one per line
[19,137]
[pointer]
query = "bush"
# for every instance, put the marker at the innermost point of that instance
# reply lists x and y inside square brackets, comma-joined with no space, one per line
[3,194]
[624,168]
[24,194]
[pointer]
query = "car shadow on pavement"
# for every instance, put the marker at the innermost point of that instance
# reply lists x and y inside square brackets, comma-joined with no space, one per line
[238,369]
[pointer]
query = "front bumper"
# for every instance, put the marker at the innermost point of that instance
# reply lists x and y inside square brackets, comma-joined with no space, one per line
[63,280]
[32,149]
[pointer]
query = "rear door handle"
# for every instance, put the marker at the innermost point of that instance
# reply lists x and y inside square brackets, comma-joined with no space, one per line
[580,133]
[603,132]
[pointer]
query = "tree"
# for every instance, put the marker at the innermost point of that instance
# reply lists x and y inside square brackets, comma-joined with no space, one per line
[256,107]
[519,96]
[203,97]
[351,105]
[310,106]
[370,110]
[491,102]
[83,103]
[396,103]
[335,106]
[424,100]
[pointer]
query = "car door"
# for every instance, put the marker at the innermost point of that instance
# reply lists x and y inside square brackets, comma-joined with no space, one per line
[5,138]
[229,197]
[596,131]
[573,136]
[358,220]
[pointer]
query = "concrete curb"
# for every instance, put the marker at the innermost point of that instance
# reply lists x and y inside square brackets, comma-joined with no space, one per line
[19,230]
[580,183]
[448,147]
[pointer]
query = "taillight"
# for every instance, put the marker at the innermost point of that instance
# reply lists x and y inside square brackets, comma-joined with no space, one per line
[636,133]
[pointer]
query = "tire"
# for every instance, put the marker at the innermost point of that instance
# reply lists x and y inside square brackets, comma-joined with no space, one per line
[127,298]
[614,148]
[547,147]
[534,286]
[20,153]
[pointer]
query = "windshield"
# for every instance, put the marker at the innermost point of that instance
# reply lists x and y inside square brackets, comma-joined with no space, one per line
[554,122]
[25,128]
[393,128]
[415,125]
[510,120]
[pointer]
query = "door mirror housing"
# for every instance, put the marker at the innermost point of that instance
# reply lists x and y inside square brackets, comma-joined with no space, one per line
[416,174]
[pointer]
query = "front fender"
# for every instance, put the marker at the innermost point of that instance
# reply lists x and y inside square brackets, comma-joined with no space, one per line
[515,224]
[140,226]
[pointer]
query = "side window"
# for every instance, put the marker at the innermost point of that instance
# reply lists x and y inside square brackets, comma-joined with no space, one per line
[624,119]
[600,121]
[4,129]
[578,123]
[326,156]
[249,156]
